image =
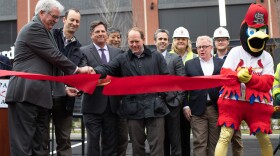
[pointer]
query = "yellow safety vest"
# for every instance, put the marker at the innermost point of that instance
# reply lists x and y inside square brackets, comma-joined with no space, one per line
[276,85]
[190,55]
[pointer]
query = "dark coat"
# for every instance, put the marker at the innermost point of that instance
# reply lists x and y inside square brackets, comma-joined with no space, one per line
[127,64]
[72,52]
[35,53]
[197,99]
[73,49]
[5,63]
[175,67]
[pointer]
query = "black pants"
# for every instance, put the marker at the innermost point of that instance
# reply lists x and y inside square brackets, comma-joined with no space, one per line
[185,135]
[62,121]
[104,125]
[122,136]
[172,141]
[28,124]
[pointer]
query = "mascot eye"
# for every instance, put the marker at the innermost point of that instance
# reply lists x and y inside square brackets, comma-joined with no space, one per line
[263,30]
[251,31]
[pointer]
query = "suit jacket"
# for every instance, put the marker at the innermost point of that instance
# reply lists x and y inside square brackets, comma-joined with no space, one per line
[175,67]
[197,99]
[35,53]
[97,102]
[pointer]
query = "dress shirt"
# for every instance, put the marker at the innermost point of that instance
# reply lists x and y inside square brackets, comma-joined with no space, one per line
[207,68]
[106,51]
[68,41]
[164,53]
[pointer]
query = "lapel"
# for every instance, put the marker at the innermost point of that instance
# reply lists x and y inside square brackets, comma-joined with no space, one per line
[52,39]
[216,70]
[198,65]
[37,19]
[95,54]
[111,54]
[167,58]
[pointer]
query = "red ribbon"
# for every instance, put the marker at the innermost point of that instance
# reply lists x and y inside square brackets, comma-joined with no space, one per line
[163,83]
[133,84]
[84,82]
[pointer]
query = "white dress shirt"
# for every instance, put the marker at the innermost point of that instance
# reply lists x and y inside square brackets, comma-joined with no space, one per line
[207,68]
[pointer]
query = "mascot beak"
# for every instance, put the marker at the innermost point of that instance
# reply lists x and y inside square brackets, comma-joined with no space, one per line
[257,41]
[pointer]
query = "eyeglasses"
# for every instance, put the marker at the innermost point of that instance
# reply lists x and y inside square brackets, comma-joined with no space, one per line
[203,47]
[221,39]
[54,16]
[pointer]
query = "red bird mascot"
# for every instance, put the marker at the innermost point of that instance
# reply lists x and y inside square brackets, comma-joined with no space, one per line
[249,97]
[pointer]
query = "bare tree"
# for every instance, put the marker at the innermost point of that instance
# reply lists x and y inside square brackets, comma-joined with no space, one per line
[112,13]
[109,11]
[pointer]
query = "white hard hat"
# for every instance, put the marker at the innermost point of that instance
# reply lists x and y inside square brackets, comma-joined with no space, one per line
[181,32]
[221,32]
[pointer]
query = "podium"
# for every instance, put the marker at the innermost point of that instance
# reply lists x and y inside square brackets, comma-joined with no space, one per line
[4,129]
[4,132]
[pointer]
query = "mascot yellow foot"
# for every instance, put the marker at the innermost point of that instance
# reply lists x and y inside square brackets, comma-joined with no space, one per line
[226,135]
[266,146]
[222,145]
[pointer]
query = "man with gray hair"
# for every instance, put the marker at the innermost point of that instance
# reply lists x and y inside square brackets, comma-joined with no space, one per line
[30,100]
[200,108]
[174,100]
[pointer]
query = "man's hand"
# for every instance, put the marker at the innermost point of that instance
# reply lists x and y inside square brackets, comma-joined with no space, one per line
[103,82]
[244,75]
[72,92]
[276,108]
[187,113]
[85,70]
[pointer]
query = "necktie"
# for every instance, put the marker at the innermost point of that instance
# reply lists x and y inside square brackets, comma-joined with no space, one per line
[103,56]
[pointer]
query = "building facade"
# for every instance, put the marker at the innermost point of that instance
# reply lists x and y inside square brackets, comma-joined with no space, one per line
[200,17]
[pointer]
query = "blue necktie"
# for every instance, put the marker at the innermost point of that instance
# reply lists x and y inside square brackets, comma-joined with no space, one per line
[103,56]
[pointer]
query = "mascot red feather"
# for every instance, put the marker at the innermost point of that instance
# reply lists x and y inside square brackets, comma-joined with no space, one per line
[249,97]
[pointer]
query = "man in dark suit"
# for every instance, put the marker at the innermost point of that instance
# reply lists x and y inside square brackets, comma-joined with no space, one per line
[99,111]
[174,99]
[30,100]
[63,105]
[201,105]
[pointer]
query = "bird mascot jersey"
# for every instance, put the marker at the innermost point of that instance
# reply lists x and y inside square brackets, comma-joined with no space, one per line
[249,97]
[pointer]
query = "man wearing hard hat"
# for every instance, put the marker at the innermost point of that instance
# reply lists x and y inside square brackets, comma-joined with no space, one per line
[221,40]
